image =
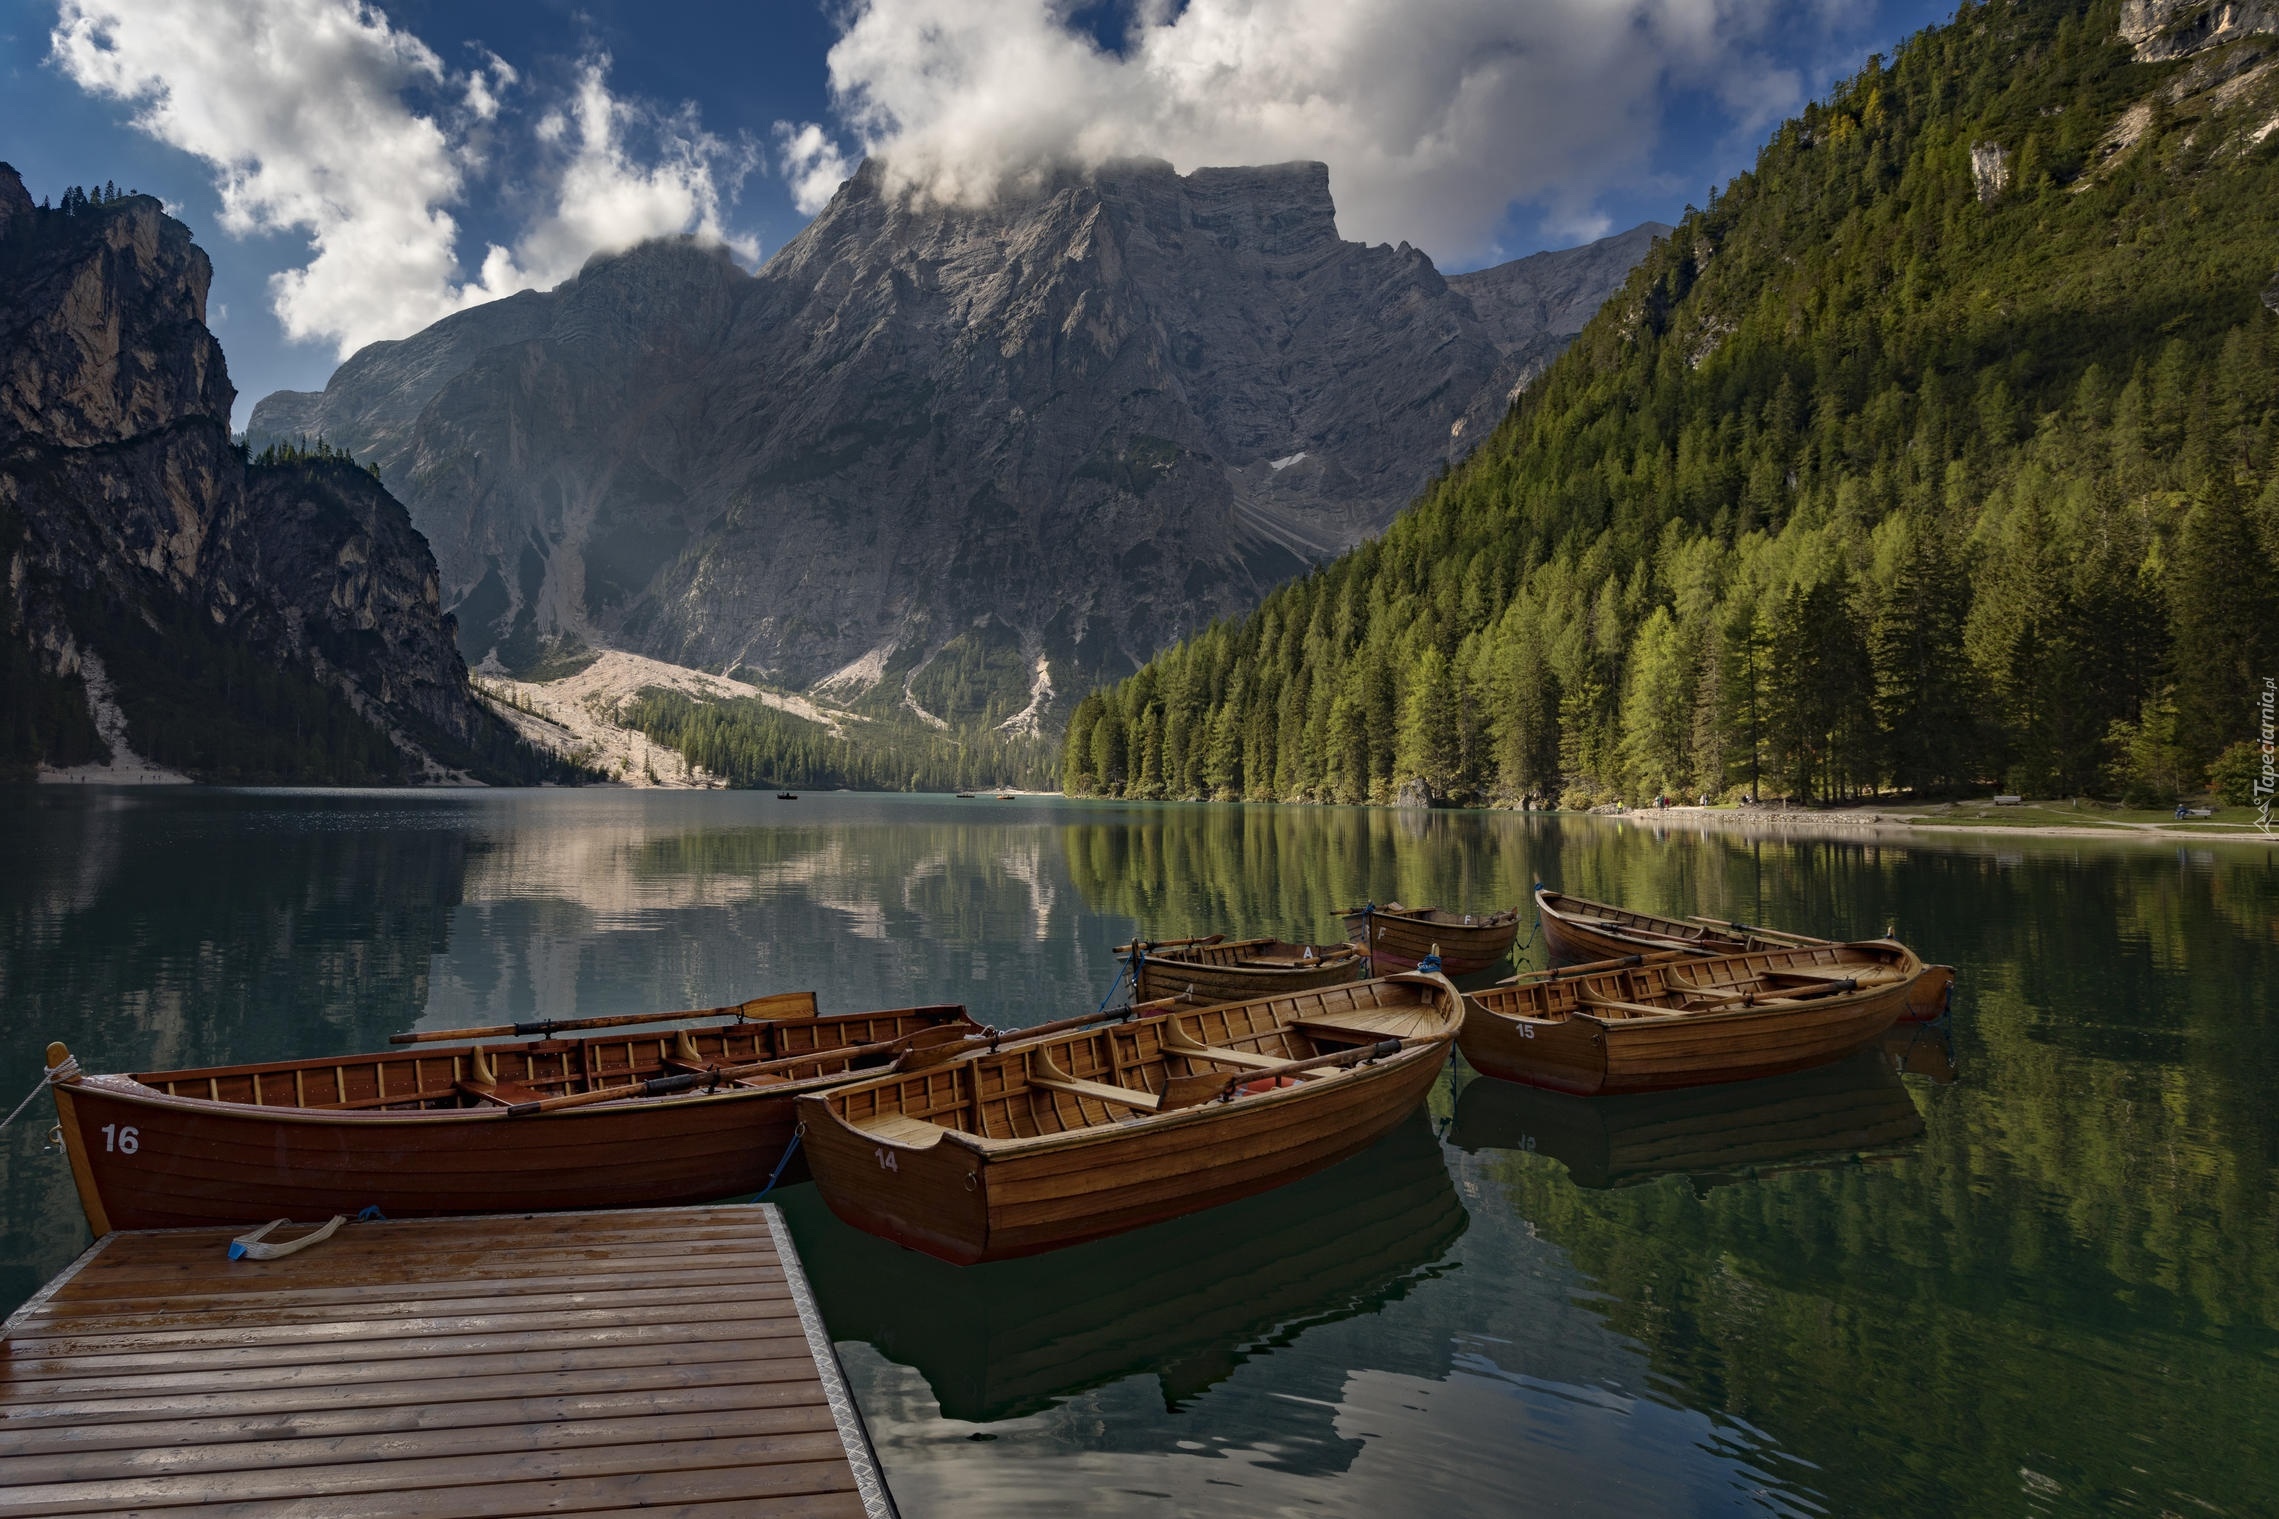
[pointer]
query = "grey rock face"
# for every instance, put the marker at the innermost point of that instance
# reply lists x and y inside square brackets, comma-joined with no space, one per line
[127,499]
[2163,29]
[1535,306]
[1082,424]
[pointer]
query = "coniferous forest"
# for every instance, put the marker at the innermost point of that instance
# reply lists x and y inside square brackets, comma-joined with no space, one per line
[1937,452]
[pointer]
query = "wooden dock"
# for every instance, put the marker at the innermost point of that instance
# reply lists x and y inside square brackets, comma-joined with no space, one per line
[666,1360]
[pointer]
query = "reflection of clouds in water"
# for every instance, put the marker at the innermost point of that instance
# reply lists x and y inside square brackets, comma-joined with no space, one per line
[634,903]
[1027,867]
[1387,1443]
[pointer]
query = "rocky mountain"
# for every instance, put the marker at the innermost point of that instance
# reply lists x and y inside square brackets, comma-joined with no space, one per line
[1535,306]
[167,597]
[1032,442]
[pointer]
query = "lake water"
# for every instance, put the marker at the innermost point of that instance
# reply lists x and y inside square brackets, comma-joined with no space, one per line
[2047,1285]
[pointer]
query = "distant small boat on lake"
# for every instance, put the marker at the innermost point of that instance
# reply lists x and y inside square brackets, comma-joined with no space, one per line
[787,796]
[1577,931]
[1218,969]
[1652,1023]
[617,1119]
[1055,1141]
[1397,937]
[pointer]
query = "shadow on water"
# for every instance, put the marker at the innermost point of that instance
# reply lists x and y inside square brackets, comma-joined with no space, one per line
[1853,1110]
[1185,1301]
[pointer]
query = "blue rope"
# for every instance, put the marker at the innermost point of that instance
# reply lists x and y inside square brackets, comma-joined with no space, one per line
[789,1150]
[1129,967]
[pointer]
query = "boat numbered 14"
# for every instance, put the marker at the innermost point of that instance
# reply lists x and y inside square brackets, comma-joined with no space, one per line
[1076,1137]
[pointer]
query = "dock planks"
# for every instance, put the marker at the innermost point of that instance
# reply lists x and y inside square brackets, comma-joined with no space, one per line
[666,1360]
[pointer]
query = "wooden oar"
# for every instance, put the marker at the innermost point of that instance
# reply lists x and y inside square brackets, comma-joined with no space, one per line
[1188,1091]
[758,1010]
[665,1086]
[1153,944]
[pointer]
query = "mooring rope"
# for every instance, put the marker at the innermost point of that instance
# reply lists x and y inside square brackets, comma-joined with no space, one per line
[789,1150]
[49,1077]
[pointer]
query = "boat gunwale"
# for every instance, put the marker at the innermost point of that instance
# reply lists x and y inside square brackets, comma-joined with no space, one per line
[510,1043]
[615,1107]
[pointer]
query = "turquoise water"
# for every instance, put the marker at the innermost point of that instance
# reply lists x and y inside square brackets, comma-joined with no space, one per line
[2048,1285]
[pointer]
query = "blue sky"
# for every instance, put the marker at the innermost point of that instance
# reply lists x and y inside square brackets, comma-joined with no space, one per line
[356,170]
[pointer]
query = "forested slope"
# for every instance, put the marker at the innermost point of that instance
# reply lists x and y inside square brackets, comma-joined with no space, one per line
[1938,450]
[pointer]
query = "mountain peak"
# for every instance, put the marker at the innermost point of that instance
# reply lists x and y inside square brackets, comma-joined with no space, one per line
[1070,424]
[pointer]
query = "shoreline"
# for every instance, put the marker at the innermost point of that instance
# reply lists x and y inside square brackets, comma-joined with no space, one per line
[1895,825]
[1884,825]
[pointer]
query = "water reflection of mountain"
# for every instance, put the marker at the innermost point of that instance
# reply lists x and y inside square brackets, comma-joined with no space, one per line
[868,900]
[1185,1301]
[1852,1109]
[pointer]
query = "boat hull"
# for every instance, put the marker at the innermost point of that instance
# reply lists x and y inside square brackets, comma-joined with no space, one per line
[1397,941]
[195,1163]
[1568,941]
[964,1207]
[146,1154]
[1194,982]
[957,1194]
[1574,1051]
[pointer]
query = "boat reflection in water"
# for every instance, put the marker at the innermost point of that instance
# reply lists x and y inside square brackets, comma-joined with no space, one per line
[1187,1300]
[1857,1108]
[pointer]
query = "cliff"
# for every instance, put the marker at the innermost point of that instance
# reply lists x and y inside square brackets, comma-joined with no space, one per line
[276,621]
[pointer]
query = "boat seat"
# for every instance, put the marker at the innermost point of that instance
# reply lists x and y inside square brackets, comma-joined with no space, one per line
[509,1094]
[902,1129]
[1175,1042]
[1047,1076]
[1371,1024]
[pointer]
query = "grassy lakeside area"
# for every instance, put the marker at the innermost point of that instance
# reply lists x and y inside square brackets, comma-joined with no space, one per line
[2084,818]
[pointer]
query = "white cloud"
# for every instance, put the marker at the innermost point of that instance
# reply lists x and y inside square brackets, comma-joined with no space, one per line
[604,199]
[320,117]
[811,164]
[1433,115]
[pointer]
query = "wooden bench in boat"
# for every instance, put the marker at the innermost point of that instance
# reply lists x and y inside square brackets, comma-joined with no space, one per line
[902,1129]
[1176,1042]
[1045,1075]
[1368,1025]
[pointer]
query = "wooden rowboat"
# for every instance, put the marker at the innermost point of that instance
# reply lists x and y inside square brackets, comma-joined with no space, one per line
[1080,1136]
[1650,1023]
[1577,930]
[1218,969]
[1401,937]
[608,1120]
[1853,1109]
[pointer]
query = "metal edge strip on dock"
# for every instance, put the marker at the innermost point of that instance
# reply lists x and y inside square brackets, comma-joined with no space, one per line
[862,1457]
